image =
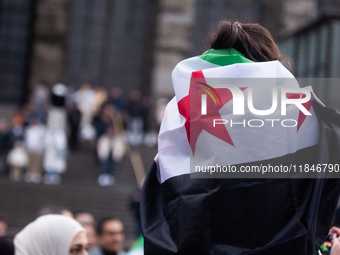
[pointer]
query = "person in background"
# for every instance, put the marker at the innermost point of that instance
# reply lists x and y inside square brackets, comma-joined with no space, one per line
[35,145]
[105,151]
[74,122]
[27,113]
[103,120]
[57,114]
[116,98]
[51,234]
[17,128]
[91,237]
[40,101]
[17,160]
[149,136]
[55,155]
[100,97]
[54,162]
[88,223]
[110,237]
[135,124]
[84,100]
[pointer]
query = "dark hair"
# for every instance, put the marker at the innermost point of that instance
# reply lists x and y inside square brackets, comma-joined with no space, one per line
[251,39]
[102,221]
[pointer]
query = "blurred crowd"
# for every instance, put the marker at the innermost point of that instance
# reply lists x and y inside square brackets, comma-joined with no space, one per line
[35,142]
[56,229]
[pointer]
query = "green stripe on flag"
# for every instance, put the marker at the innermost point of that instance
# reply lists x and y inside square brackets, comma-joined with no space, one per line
[138,244]
[224,57]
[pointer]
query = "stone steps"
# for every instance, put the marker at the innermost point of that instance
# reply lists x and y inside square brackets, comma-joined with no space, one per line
[20,202]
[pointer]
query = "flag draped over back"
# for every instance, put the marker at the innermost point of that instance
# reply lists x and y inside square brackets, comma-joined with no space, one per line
[183,215]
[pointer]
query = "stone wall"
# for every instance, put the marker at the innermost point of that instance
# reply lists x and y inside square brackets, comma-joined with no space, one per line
[297,14]
[50,31]
[174,36]
[173,42]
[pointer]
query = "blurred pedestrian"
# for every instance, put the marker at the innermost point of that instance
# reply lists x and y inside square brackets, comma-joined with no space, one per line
[35,135]
[103,120]
[17,160]
[116,98]
[110,237]
[136,118]
[84,99]
[74,123]
[57,114]
[55,155]
[17,128]
[109,148]
[100,97]
[149,136]
[40,101]
[87,221]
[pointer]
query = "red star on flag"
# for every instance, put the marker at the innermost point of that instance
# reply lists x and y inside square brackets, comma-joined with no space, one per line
[190,108]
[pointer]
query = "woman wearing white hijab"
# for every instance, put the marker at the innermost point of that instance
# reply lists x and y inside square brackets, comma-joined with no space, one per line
[51,235]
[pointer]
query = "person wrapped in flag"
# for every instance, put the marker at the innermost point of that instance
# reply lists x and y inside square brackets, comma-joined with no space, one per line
[239,155]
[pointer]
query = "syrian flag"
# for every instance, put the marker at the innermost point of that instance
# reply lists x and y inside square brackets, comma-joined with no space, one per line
[226,114]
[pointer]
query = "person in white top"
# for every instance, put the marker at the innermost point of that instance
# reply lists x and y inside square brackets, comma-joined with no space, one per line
[55,155]
[110,150]
[35,145]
